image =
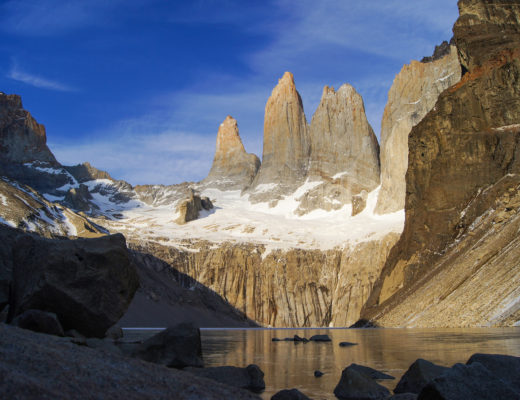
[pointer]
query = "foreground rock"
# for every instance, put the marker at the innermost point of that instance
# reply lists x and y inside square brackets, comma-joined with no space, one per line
[355,385]
[370,372]
[289,394]
[36,366]
[462,188]
[250,377]
[418,375]
[468,382]
[87,283]
[39,321]
[505,367]
[232,168]
[175,347]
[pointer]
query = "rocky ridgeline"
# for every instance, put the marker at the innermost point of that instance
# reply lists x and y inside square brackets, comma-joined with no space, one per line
[413,94]
[462,184]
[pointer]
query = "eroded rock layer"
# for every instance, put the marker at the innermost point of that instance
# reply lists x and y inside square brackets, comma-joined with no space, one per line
[468,143]
[232,167]
[285,288]
[413,94]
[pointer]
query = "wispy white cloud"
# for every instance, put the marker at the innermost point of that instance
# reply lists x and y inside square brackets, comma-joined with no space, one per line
[17,74]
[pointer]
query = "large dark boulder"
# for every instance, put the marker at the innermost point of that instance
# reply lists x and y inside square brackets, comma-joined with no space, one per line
[370,372]
[250,378]
[39,321]
[176,347]
[468,382]
[87,283]
[355,385]
[418,375]
[504,367]
[289,394]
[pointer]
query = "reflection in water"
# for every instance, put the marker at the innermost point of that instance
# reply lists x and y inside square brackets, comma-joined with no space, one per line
[291,365]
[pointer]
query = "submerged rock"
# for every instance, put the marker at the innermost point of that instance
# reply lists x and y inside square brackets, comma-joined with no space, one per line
[320,338]
[250,377]
[175,347]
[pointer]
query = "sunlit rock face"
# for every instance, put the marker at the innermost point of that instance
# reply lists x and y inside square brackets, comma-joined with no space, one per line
[22,139]
[413,94]
[285,157]
[461,185]
[344,153]
[233,168]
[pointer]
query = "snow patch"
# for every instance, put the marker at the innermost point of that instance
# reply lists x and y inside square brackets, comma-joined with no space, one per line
[9,223]
[3,200]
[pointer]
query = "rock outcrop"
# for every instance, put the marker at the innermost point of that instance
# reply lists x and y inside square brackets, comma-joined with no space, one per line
[462,190]
[285,288]
[188,209]
[413,94]
[87,283]
[232,168]
[22,139]
[285,156]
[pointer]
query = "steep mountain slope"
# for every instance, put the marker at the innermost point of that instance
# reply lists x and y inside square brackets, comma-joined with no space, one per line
[460,156]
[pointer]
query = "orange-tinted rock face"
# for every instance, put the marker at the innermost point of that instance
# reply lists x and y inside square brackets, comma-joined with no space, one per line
[232,167]
[286,139]
[22,139]
[413,94]
[467,144]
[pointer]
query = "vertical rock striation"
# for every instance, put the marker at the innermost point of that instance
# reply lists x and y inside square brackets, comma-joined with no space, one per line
[285,155]
[413,94]
[233,168]
[466,145]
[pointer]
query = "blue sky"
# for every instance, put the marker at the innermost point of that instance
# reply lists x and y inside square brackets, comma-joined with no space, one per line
[139,87]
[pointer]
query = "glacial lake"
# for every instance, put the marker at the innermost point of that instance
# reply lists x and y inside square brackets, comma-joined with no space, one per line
[288,365]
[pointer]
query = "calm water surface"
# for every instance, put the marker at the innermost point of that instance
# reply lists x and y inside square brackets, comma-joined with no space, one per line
[291,365]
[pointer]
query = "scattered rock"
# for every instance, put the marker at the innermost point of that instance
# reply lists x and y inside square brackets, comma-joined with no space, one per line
[114,332]
[39,321]
[468,382]
[355,385]
[250,377]
[504,367]
[418,375]
[176,347]
[300,339]
[320,338]
[276,340]
[370,372]
[289,394]
[87,283]
[318,374]
[347,344]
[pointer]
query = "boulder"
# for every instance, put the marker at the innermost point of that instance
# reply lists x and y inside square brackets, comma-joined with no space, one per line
[468,382]
[418,375]
[87,283]
[318,374]
[320,338]
[39,321]
[289,394]
[355,385]
[189,208]
[370,372]
[176,347]
[404,396]
[114,332]
[250,377]
[504,367]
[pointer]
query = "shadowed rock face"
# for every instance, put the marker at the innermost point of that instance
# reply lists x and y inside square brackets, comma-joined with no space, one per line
[413,94]
[462,150]
[286,139]
[22,139]
[232,167]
